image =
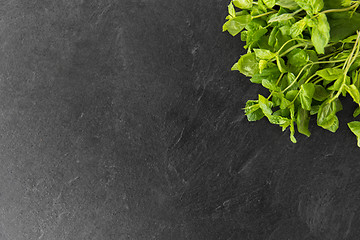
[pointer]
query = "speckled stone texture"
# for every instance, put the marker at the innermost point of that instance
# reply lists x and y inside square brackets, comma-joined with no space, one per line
[120,120]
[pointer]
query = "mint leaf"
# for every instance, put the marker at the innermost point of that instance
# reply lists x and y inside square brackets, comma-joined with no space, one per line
[242,4]
[355,128]
[354,93]
[306,94]
[320,93]
[264,54]
[320,34]
[265,105]
[270,74]
[326,114]
[253,111]
[269,3]
[247,64]
[282,17]
[297,28]
[356,112]
[289,4]
[236,24]
[311,6]
[305,53]
[330,74]
[302,121]
[231,10]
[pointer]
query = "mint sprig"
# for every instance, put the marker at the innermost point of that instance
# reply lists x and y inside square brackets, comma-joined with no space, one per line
[306,53]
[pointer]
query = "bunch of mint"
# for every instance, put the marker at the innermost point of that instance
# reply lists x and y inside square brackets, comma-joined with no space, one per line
[306,53]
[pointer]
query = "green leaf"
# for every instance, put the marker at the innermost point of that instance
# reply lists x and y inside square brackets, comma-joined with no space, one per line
[346,3]
[284,103]
[320,93]
[290,95]
[307,91]
[279,120]
[235,67]
[326,114]
[282,17]
[292,133]
[355,65]
[334,126]
[243,4]
[349,39]
[271,85]
[265,105]
[253,111]
[297,59]
[280,40]
[285,30]
[314,109]
[289,4]
[231,10]
[236,24]
[271,73]
[339,82]
[276,98]
[272,37]
[248,65]
[320,34]
[338,105]
[302,121]
[355,128]
[281,64]
[330,74]
[269,3]
[253,36]
[343,24]
[292,127]
[289,80]
[297,28]
[261,5]
[356,79]
[262,65]
[311,6]
[356,112]
[264,54]
[354,93]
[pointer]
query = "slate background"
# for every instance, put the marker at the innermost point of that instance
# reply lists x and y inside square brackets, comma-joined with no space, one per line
[121,120]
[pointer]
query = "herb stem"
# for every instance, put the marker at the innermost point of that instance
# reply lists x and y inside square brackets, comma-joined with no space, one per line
[296,46]
[293,39]
[264,14]
[297,11]
[340,10]
[329,55]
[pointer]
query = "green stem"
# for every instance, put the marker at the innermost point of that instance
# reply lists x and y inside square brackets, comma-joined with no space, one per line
[318,80]
[293,39]
[292,102]
[262,15]
[296,46]
[329,55]
[351,54]
[297,11]
[311,77]
[339,10]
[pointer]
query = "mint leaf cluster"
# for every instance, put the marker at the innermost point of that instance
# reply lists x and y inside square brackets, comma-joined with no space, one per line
[306,53]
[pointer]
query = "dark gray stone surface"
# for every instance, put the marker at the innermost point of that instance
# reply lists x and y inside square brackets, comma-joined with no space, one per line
[121,120]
